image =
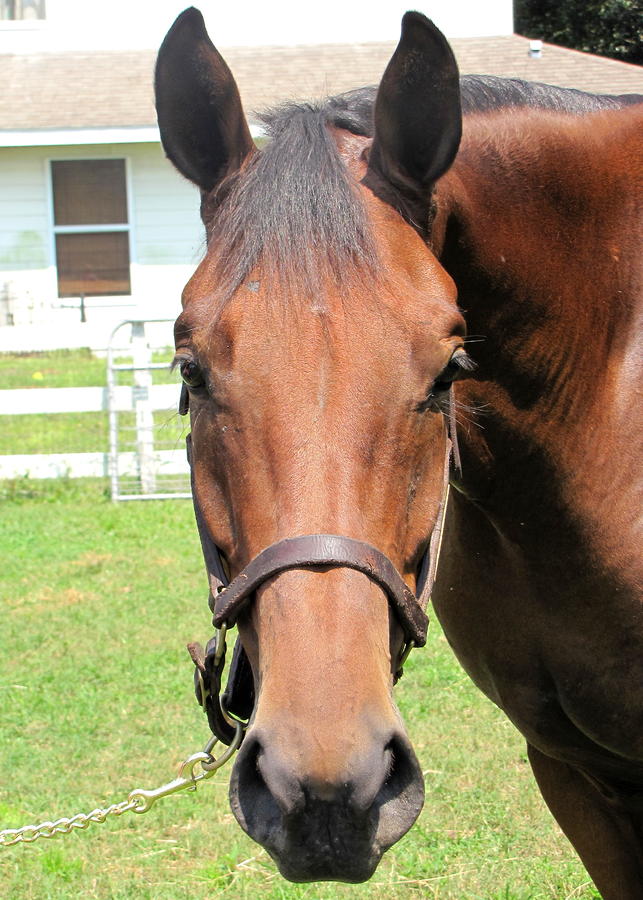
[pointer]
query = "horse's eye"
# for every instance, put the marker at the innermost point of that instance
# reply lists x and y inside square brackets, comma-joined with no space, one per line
[191,373]
[459,363]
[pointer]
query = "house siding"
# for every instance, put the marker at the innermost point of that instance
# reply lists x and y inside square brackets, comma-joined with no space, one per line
[23,212]
[168,227]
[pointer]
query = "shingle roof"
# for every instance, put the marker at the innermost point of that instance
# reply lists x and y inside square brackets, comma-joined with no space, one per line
[114,89]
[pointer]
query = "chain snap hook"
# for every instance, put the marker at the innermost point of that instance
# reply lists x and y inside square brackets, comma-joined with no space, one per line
[188,778]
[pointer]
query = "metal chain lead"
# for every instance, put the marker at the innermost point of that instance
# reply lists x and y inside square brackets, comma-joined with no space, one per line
[30,833]
[138,801]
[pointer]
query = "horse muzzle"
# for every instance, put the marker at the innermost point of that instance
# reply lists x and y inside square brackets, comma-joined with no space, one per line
[320,828]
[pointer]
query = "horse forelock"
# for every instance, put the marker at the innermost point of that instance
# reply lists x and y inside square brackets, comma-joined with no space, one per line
[292,209]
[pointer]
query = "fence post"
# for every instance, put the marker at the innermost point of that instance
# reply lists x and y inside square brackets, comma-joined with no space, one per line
[112,418]
[142,357]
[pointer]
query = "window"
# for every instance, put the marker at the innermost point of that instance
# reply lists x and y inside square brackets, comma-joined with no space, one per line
[91,227]
[12,10]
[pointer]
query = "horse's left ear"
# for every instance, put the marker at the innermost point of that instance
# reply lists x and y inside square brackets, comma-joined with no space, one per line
[418,117]
[203,128]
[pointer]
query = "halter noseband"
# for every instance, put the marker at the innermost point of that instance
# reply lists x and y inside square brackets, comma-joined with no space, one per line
[329,551]
[312,551]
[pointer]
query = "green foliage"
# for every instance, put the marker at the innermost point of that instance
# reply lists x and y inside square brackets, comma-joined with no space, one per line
[606,27]
[97,601]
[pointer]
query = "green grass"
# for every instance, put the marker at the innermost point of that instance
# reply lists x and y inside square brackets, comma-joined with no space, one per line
[96,698]
[81,432]
[58,368]
[68,368]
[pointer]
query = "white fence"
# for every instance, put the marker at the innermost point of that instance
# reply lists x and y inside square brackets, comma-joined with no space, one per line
[146,457]
[144,472]
[34,401]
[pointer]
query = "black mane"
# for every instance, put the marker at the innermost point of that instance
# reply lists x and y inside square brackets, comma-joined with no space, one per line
[293,207]
[482,93]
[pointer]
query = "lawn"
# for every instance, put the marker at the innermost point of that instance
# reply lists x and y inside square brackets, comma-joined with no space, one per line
[98,601]
[67,368]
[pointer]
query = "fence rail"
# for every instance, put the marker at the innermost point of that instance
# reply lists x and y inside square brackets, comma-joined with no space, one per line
[33,401]
[86,465]
[38,401]
[144,458]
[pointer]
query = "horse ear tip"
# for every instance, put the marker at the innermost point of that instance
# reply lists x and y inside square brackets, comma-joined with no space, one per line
[188,27]
[191,12]
[413,18]
[422,33]
[416,25]
[190,18]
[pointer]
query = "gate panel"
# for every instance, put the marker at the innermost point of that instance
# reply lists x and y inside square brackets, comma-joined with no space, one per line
[147,458]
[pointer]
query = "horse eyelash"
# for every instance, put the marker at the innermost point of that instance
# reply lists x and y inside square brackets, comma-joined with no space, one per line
[178,359]
[464,361]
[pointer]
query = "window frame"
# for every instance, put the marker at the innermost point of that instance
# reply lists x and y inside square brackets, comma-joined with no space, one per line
[107,299]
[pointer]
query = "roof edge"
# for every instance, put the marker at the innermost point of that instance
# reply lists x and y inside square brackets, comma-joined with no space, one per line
[52,137]
[59,137]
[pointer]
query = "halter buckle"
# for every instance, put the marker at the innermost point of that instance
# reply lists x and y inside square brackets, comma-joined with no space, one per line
[208,672]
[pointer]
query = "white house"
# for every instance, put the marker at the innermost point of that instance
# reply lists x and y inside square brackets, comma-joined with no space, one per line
[94,222]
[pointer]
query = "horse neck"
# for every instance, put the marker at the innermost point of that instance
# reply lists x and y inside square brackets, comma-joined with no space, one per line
[537,223]
[537,226]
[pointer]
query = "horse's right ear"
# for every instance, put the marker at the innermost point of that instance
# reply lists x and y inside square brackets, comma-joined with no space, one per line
[203,129]
[418,117]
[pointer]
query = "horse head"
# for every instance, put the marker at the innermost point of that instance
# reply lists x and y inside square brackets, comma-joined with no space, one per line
[318,341]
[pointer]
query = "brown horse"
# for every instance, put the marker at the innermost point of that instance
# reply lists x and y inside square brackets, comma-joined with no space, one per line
[319,341]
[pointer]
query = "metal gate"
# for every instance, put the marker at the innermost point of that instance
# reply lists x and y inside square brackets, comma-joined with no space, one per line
[147,458]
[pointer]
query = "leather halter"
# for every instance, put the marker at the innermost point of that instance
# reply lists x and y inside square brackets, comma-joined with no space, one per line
[227,598]
[329,551]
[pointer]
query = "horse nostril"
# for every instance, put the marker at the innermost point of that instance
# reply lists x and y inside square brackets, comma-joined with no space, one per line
[388,778]
[252,803]
[402,770]
[261,790]
[246,767]
[401,795]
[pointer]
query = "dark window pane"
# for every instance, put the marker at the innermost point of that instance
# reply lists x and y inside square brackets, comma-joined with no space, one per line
[89,192]
[93,264]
